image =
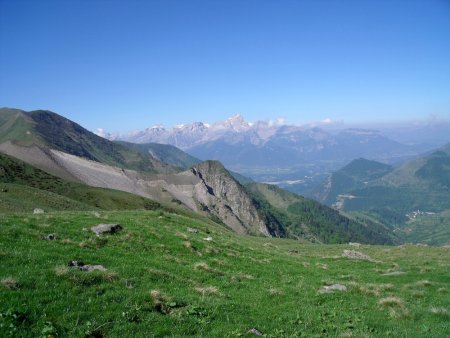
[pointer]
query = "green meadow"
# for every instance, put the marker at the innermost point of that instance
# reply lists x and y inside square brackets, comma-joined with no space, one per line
[175,275]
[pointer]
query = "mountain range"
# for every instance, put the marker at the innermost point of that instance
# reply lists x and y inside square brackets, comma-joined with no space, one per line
[62,153]
[294,157]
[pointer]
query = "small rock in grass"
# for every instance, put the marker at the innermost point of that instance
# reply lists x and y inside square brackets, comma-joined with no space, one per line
[192,230]
[209,239]
[255,331]
[357,245]
[393,273]
[49,237]
[332,288]
[90,268]
[86,267]
[75,263]
[106,229]
[355,255]
[37,211]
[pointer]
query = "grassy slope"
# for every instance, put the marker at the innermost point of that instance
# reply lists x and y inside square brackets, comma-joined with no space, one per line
[16,126]
[429,229]
[50,130]
[221,288]
[23,188]
[354,175]
[421,184]
[62,134]
[307,218]
[165,153]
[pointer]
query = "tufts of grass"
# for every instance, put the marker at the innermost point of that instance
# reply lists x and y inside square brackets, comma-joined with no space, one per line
[396,307]
[9,283]
[241,277]
[423,283]
[391,302]
[440,311]
[202,266]
[370,290]
[61,270]
[275,292]
[322,266]
[207,290]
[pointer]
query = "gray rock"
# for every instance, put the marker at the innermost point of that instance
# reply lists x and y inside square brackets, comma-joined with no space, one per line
[332,288]
[208,239]
[355,255]
[86,267]
[90,268]
[192,230]
[75,263]
[38,211]
[255,332]
[106,229]
[49,237]
[394,273]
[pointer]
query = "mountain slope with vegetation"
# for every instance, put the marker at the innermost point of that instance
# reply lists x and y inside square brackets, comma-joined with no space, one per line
[47,130]
[418,187]
[306,218]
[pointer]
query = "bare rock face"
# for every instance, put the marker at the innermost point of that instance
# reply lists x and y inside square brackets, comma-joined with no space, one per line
[106,229]
[224,197]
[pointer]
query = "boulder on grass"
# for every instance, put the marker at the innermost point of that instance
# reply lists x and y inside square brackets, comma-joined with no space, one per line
[86,267]
[332,288]
[101,229]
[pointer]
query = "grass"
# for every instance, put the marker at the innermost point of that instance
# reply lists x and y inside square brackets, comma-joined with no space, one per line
[156,285]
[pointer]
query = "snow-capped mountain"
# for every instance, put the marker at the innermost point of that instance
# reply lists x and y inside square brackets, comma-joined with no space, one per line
[187,136]
[238,143]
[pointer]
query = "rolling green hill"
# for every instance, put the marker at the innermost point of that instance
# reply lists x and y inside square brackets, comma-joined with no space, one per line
[357,174]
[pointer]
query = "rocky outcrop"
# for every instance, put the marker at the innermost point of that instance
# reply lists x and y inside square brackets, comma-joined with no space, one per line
[220,194]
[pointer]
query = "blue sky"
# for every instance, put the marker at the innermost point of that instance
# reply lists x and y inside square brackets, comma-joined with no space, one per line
[123,65]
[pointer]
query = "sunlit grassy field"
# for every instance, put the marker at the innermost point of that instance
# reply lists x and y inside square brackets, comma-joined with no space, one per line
[169,275]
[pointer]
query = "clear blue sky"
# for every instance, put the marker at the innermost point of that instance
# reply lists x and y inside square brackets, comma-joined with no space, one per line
[124,65]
